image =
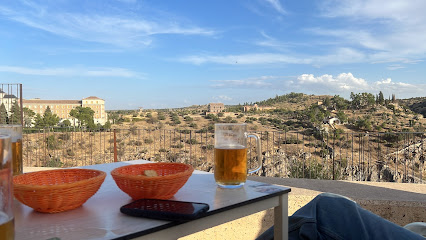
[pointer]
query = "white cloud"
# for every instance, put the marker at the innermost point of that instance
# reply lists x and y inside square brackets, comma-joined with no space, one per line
[384,30]
[116,29]
[345,83]
[72,72]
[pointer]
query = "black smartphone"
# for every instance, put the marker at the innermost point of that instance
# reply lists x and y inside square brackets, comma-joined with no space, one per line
[169,210]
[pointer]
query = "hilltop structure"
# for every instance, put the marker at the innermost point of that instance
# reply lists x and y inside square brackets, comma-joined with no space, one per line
[62,108]
[215,107]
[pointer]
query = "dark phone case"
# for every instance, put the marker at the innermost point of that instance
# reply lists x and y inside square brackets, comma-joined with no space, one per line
[165,209]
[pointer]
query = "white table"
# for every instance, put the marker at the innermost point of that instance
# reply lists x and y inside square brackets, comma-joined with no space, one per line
[100,217]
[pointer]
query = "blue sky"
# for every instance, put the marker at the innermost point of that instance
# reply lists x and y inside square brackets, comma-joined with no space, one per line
[167,54]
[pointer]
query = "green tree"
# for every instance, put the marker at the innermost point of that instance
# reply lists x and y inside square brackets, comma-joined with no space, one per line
[3,114]
[362,100]
[28,116]
[113,116]
[107,125]
[15,113]
[38,121]
[66,123]
[381,99]
[84,115]
[339,102]
[49,118]
[327,101]
[342,116]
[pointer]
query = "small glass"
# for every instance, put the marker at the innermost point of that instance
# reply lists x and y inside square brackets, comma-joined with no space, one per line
[7,225]
[15,131]
[230,154]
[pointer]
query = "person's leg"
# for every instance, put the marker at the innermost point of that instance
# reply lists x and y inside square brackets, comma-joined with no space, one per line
[331,216]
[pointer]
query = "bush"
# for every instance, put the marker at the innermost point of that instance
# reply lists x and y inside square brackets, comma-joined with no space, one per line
[177,146]
[54,162]
[52,143]
[65,136]
[70,152]
[148,141]
[191,141]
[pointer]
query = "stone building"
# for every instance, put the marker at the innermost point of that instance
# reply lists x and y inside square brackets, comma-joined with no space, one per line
[62,108]
[215,107]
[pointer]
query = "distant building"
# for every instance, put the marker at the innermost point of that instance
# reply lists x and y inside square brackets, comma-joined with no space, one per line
[7,99]
[256,107]
[215,107]
[62,108]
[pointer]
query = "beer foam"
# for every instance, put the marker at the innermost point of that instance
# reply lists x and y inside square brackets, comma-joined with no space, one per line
[15,132]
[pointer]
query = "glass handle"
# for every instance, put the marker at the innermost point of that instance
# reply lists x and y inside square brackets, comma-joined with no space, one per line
[259,153]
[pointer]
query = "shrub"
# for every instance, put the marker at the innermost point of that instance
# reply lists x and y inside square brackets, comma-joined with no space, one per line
[191,141]
[52,143]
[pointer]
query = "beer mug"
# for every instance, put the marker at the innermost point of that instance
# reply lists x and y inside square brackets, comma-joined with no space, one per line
[230,154]
[15,132]
[6,192]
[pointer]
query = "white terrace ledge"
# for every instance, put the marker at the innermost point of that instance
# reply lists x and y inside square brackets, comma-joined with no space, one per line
[401,203]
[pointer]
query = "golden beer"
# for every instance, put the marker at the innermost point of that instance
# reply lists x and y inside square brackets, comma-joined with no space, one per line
[230,165]
[17,157]
[6,227]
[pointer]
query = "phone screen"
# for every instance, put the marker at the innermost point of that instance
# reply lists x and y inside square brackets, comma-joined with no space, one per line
[165,209]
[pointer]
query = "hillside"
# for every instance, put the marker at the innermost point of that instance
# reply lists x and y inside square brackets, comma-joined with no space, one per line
[370,143]
[291,112]
[417,105]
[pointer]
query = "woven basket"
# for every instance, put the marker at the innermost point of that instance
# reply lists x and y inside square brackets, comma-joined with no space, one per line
[171,177]
[53,191]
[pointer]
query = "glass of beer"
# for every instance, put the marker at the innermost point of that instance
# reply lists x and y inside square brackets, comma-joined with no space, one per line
[15,132]
[7,230]
[230,154]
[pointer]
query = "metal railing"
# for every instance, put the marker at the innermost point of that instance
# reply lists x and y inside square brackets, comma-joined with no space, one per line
[386,157]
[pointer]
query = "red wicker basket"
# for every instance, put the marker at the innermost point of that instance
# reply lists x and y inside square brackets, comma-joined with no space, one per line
[171,177]
[53,191]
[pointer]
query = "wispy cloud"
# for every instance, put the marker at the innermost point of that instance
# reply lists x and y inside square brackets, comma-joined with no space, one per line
[276,4]
[395,66]
[339,56]
[222,98]
[113,28]
[255,82]
[382,29]
[72,72]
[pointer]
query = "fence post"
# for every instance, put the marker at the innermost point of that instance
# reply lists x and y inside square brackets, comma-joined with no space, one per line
[115,147]
[332,152]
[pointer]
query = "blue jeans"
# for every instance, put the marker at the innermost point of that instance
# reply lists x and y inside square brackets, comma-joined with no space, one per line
[331,216]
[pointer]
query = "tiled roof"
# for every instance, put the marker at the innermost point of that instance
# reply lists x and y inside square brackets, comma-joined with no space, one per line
[92,97]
